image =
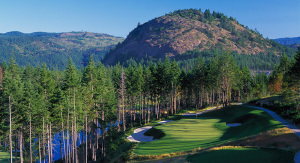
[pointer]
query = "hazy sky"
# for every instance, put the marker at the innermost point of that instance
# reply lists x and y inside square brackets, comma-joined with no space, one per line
[272,18]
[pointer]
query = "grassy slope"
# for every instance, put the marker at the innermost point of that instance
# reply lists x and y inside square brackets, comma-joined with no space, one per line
[4,157]
[207,130]
[244,155]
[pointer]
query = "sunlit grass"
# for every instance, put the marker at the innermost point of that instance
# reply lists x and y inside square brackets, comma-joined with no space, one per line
[5,158]
[207,130]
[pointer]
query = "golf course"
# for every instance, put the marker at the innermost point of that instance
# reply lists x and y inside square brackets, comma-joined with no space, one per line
[210,129]
[245,155]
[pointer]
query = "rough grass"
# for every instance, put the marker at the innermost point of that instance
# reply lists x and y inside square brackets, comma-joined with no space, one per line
[280,138]
[245,155]
[5,158]
[207,130]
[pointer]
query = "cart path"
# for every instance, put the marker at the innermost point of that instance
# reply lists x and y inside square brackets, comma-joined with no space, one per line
[278,118]
[286,124]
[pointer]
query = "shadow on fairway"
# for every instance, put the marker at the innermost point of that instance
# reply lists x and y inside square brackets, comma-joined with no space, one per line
[253,122]
[245,155]
[208,130]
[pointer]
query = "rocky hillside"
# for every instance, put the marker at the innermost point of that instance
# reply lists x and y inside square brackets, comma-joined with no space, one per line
[55,48]
[182,31]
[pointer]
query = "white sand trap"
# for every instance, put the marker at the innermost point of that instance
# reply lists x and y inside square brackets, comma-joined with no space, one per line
[138,135]
[166,121]
[233,124]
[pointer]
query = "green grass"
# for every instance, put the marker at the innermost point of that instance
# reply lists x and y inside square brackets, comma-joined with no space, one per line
[4,157]
[274,98]
[245,155]
[207,130]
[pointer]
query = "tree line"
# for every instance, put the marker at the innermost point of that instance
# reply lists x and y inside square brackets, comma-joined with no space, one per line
[38,103]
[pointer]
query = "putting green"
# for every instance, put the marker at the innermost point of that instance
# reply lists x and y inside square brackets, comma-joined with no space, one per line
[245,155]
[207,130]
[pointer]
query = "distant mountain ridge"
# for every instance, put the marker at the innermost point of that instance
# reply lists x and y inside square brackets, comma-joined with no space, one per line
[288,41]
[177,33]
[55,48]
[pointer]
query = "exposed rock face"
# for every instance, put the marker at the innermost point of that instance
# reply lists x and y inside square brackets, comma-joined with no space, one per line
[186,30]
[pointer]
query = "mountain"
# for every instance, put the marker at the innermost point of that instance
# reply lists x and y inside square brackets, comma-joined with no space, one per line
[55,48]
[183,32]
[288,41]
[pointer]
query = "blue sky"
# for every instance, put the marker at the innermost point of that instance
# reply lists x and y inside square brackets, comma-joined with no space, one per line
[272,18]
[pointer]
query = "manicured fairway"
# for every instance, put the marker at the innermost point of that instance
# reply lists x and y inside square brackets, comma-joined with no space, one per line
[208,130]
[4,157]
[245,155]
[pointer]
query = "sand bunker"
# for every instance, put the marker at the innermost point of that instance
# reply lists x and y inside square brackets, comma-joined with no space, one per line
[233,124]
[138,135]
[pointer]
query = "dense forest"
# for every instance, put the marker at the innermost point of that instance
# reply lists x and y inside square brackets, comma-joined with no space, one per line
[38,103]
[55,48]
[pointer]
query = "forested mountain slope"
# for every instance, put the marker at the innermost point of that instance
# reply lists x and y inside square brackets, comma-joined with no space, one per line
[185,32]
[55,48]
[288,41]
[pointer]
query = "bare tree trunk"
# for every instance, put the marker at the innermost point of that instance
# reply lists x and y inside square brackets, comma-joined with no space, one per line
[68,138]
[213,97]
[16,147]
[119,116]
[134,112]
[93,144]
[75,132]
[97,140]
[179,103]
[148,109]
[63,153]
[131,123]
[122,92]
[30,146]
[174,100]
[159,110]
[21,147]
[60,146]
[86,141]
[124,120]
[44,151]
[103,137]
[40,154]
[72,148]
[49,146]
[141,113]
[10,141]
[156,108]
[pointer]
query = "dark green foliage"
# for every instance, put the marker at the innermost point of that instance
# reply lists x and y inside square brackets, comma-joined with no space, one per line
[55,48]
[153,90]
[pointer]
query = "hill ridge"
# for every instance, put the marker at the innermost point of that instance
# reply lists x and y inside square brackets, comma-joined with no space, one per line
[185,30]
[55,48]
